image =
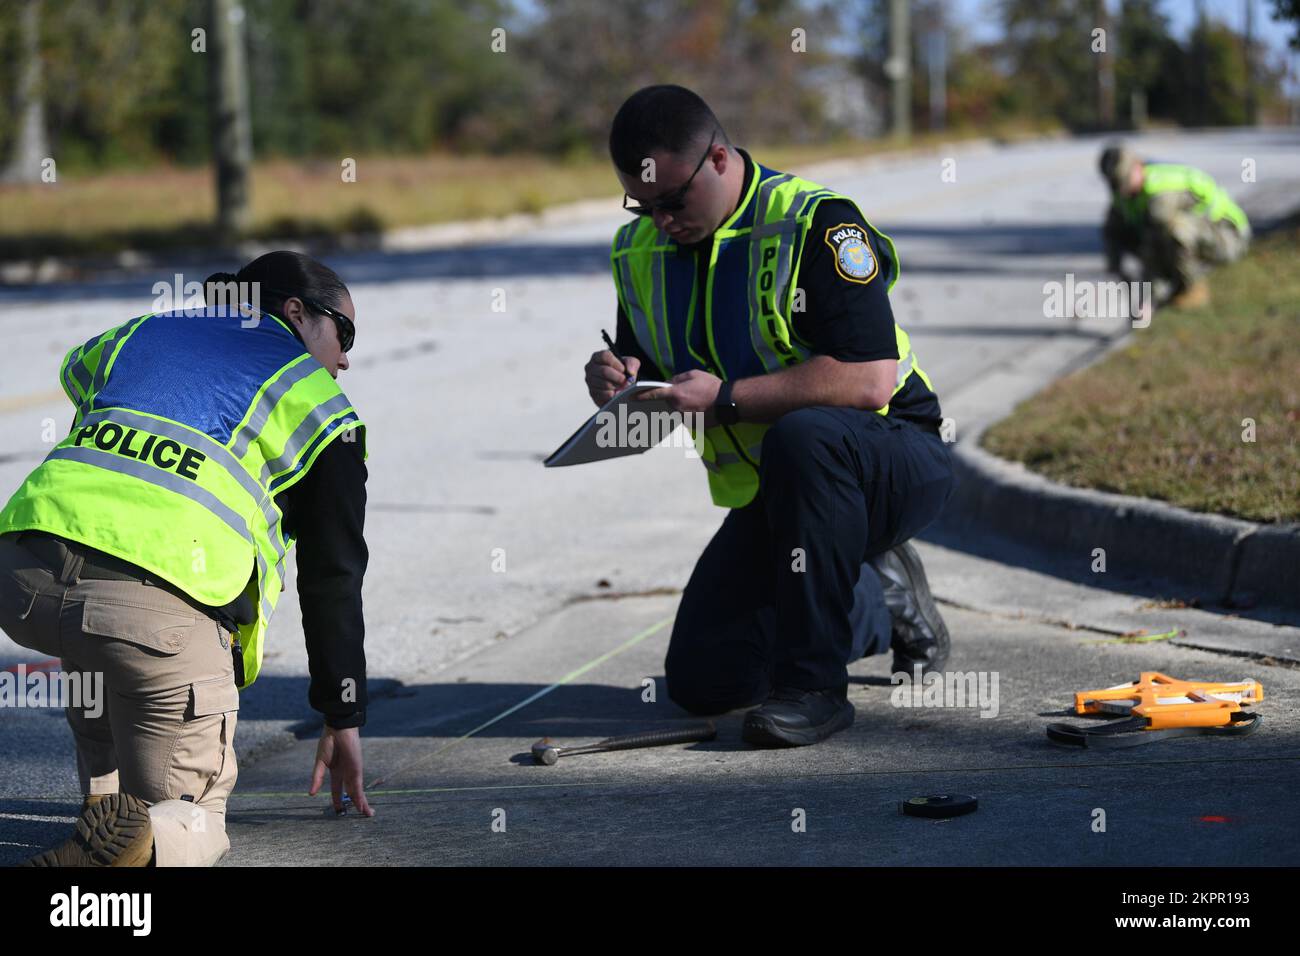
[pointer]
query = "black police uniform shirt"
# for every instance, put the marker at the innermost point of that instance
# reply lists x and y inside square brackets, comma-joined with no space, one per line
[846,320]
[325,513]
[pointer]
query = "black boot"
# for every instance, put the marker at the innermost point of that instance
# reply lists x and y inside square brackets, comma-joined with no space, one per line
[919,634]
[794,718]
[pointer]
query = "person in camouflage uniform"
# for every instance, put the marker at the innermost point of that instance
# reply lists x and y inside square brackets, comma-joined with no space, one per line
[1177,220]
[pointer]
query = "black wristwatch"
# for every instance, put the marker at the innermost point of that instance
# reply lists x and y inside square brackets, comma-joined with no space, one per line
[724,408]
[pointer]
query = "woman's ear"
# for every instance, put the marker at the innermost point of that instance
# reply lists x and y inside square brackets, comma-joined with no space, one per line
[293,310]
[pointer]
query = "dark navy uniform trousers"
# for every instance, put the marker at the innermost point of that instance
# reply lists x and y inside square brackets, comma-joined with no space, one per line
[782,596]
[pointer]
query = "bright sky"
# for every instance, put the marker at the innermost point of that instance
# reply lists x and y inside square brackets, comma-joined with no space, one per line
[980,17]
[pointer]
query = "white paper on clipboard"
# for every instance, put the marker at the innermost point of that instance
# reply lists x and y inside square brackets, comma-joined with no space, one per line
[582,446]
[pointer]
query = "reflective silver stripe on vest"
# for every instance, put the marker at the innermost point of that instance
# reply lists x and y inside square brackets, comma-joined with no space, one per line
[766,354]
[785,261]
[156,476]
[657,306]
[79,374]
[338,425]
[788,228]
[731,457]
[640,325]
[904,370]
[106,356]
[274,392]
[77,395]
[302,436]
[268,607]
[210,447]
[186,436]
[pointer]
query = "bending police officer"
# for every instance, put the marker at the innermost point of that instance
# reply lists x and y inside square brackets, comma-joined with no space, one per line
[149,548]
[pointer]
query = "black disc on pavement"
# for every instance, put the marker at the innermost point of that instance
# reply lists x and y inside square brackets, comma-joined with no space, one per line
[939,806]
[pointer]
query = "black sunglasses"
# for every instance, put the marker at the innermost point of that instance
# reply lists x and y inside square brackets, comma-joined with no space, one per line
[676,200]
[347,331]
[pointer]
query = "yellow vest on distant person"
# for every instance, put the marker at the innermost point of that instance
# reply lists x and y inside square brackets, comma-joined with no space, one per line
[1212,201]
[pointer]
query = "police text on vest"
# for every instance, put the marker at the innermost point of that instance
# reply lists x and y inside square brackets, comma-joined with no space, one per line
[128,442]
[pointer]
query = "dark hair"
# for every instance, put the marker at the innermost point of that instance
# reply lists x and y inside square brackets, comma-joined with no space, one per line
[283,275]
[1116,163]
[666,117]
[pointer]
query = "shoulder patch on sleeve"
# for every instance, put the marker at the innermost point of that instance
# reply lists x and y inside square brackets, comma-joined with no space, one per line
[853,258]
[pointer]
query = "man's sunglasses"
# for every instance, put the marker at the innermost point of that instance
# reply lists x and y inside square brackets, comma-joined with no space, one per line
[676,200]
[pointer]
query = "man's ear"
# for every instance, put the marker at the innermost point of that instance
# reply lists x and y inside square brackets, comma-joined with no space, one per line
[719,163]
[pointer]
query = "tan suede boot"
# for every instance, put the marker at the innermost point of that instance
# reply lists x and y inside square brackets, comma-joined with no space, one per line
[113,830]
[1194,296]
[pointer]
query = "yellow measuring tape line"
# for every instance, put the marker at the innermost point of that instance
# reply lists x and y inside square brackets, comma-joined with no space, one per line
[572,675]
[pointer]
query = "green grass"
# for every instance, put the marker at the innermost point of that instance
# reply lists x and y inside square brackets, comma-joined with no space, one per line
[1163,417]
[169,207]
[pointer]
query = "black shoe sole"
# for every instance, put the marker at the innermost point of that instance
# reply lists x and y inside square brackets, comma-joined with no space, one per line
[764,732]
[928,610]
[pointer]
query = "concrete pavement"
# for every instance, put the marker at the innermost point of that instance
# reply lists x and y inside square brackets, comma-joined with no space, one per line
[455,783]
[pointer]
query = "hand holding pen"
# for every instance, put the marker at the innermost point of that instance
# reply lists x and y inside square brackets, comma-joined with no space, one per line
[608,373]
[630,373]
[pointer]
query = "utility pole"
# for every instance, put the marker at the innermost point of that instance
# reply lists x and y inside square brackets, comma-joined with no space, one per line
[899,68]
[1202,68]
[938,57]
[232,136]
[1251,117]
[1105,72]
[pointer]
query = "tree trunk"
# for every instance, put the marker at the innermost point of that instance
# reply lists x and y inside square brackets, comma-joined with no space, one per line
[899,68]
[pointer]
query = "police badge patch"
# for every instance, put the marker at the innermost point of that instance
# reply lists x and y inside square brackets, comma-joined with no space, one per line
[853,258]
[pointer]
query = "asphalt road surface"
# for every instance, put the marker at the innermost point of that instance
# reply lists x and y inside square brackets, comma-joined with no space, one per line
[493,581]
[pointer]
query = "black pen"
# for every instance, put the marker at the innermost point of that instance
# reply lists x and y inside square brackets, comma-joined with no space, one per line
[631,379]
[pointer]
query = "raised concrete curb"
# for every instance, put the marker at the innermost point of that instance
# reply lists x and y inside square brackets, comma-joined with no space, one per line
[1225,561]
[1232,562]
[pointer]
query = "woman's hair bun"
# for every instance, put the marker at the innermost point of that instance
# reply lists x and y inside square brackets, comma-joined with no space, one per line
[219,279]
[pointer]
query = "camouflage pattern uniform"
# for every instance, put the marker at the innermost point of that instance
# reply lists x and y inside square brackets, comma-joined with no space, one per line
[1179,224]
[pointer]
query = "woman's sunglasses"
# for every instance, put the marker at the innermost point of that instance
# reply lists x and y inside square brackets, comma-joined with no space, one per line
[347,331]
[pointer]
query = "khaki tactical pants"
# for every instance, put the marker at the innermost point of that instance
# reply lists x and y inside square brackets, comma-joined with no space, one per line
[169,704]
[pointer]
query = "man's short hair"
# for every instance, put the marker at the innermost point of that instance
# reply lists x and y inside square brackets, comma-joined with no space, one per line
[665,118]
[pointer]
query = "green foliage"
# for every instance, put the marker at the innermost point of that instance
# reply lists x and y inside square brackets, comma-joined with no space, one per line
[1049,52]
[1148,59]
[1215,76]
[1289,10]
[335,78]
